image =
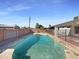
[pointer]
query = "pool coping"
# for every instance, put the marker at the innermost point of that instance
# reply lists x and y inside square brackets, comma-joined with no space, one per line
[55,38]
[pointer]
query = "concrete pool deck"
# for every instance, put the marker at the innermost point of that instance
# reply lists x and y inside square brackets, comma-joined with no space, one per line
[71,51]
[7,54]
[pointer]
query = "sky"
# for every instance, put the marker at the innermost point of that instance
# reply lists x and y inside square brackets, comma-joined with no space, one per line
[44,12]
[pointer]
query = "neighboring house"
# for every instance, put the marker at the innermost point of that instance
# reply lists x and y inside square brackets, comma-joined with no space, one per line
[73,25]
[2,26]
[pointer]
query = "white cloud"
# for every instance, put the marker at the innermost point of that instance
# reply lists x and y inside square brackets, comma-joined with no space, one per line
[18,8]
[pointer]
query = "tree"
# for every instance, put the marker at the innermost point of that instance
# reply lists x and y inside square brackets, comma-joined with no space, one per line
[50,26]
[24,27]
[39,26]
[17,27]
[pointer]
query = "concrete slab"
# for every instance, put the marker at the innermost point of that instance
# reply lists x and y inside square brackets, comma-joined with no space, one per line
[7,54]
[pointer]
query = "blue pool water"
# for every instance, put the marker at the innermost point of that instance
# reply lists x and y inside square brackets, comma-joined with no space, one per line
[38,47]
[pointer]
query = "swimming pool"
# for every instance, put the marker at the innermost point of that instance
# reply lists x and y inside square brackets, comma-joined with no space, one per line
[38,47]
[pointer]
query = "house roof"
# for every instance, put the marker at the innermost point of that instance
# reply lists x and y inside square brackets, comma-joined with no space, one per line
[69,23]
[5,26]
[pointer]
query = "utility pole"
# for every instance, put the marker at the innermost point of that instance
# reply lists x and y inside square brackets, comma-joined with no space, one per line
[29,21]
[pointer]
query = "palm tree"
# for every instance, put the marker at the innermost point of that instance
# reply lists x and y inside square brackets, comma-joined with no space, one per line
[17,27]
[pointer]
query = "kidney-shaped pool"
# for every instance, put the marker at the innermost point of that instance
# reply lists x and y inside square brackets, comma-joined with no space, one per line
[38,47]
